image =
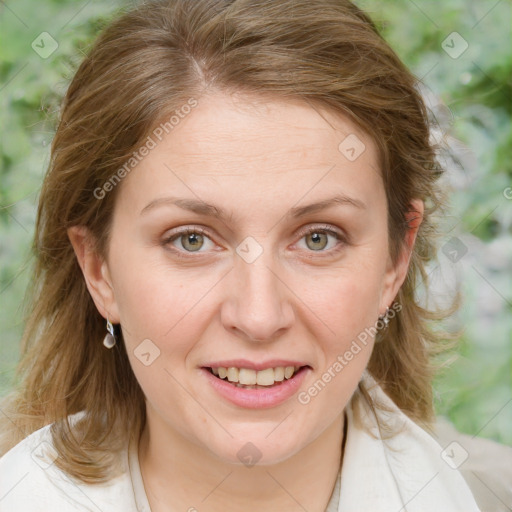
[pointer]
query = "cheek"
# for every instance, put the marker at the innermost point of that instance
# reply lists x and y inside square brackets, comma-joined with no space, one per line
[348,308]
[347,301]
[157,302]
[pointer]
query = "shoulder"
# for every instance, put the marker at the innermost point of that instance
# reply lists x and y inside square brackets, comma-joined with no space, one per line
[485,465]
[30,481]
[403,465]
[28,477]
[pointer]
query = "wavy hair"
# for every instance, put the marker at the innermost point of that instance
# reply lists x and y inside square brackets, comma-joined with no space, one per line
[146,64]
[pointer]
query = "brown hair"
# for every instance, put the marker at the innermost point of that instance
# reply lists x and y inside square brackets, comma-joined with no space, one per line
[144,66]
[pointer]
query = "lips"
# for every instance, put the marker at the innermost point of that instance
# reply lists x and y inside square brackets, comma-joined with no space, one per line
[265,389]
[256,385]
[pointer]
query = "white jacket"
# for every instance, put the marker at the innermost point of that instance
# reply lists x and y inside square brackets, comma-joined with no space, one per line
[409,472]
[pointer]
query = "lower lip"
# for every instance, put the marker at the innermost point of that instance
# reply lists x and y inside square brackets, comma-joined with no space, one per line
[257,398]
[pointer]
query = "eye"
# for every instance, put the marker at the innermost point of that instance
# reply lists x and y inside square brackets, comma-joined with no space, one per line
[190,240]
[319,239]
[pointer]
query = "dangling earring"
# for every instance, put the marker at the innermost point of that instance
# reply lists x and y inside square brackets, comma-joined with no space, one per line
[385,319]
[110,338]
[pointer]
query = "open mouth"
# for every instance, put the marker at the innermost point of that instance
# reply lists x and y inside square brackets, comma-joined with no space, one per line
[254,379]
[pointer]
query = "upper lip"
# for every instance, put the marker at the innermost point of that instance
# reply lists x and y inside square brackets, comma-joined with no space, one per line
[251,365]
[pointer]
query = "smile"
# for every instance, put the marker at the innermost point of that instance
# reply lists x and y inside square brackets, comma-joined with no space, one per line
[265,385]
[253,379]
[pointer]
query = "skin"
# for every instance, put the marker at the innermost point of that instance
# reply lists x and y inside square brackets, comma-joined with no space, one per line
[256,159]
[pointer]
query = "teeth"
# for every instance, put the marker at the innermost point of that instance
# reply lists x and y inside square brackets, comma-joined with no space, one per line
[233,374]
[288,371]
[279,374]
[247,377]
[265,377]
[243,377]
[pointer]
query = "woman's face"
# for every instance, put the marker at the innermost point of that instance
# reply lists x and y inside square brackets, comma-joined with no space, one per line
[254,237]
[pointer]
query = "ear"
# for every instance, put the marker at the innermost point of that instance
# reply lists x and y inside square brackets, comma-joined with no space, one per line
[95,271]
[397,272]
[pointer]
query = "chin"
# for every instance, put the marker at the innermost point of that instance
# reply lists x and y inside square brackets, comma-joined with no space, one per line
[257,448]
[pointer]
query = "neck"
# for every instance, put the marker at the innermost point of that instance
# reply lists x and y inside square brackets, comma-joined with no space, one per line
[189,477]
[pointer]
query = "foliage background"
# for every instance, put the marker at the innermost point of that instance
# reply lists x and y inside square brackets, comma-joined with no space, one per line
[469,96]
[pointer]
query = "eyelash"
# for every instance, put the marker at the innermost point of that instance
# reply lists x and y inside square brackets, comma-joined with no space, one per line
[326,229]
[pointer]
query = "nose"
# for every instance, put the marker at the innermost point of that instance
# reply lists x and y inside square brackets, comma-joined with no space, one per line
[258,304]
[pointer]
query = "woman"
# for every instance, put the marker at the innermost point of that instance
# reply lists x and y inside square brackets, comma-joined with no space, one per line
[229,238]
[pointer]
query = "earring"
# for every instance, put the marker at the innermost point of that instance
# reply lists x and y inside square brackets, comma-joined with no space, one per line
[385,318]
[110,338]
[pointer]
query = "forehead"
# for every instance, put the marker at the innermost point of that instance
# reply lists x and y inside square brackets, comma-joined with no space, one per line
[235,144]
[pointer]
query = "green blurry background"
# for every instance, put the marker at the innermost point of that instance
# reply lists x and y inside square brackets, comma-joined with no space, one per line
[462,52]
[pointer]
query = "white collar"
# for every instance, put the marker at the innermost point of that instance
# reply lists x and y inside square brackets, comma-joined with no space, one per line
[402,473]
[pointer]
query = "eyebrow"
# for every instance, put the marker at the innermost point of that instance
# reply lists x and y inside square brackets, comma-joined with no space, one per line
[203,208]
[327,203]
[192,205]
